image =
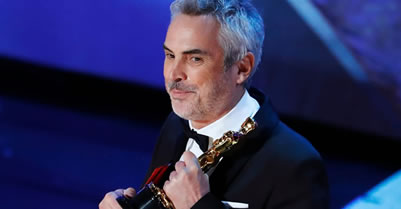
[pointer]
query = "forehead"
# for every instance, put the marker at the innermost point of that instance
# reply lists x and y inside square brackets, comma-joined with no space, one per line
[193,32]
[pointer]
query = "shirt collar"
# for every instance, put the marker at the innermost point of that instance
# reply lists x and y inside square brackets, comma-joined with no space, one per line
[232,121]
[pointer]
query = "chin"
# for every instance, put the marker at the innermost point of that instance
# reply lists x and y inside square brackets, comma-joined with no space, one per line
[180,109]
[183,115]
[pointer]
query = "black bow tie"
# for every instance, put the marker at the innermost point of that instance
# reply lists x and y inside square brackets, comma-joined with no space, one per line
[201,140]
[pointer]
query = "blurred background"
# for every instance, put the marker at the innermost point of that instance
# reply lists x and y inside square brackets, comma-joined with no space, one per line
[82,96]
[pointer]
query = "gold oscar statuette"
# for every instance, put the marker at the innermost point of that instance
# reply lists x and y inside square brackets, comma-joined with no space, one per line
[151,196]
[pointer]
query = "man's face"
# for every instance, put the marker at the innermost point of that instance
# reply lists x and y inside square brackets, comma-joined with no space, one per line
[195,79]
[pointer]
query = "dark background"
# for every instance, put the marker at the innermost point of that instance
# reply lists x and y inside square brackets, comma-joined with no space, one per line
[82,98]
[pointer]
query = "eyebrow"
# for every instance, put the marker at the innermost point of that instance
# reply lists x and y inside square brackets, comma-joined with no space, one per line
[191,51]
[166,48]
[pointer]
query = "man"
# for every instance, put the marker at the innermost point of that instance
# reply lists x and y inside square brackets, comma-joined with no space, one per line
[212,50]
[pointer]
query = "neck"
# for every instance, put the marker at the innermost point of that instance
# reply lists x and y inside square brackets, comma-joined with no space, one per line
[198,124]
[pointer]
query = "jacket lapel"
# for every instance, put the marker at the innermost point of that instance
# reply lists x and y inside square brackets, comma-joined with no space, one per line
[234,161]
[179,148]
[181,141]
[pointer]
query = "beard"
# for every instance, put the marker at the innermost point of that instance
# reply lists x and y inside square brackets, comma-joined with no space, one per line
[200,106]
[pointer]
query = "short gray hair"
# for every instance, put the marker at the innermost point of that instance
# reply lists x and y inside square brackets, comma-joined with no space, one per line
[241,26]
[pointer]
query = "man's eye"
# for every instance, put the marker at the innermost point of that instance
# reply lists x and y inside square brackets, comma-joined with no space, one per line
[169,56]
[196,59]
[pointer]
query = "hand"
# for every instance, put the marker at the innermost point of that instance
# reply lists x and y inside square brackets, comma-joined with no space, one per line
[109,201]
[187,184]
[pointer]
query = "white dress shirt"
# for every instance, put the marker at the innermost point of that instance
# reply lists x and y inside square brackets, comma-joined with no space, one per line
[232,121]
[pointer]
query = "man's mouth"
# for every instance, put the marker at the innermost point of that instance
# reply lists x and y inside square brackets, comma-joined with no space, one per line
[180,94]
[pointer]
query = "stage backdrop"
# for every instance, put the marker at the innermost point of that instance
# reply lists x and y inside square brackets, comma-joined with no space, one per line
[324,60]
[120,39]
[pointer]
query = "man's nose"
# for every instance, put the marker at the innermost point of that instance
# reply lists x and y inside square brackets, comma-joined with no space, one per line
[177,72]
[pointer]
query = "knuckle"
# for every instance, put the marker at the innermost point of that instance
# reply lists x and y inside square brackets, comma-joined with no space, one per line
[179,165]
[110,196]
[172,175]
[166,185]
[129,191]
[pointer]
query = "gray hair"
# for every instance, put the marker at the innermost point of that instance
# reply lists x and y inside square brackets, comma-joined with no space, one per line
[241,26]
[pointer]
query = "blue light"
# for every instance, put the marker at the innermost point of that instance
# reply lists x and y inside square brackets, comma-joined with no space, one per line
[321,27]
[117,39]
[386,195]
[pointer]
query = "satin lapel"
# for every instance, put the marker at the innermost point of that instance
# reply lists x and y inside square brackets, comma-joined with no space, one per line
[179,148]
[181,142]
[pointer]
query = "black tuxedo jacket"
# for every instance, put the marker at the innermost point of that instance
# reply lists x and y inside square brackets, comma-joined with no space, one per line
[272,167]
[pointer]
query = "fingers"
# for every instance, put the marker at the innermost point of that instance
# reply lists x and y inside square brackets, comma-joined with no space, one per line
[179,166]
[187,179]
[182,168]
[109,201]
[190,159]
[129,192]
[166,185]
[173,175]
[118,193]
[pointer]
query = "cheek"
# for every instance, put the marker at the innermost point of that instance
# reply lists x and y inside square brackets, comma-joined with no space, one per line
[202,82]
[208,86]
[165,67]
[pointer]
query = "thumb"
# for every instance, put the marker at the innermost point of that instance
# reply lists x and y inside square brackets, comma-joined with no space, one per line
[129,192]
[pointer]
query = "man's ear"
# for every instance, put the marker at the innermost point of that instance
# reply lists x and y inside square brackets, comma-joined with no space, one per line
[245,66]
